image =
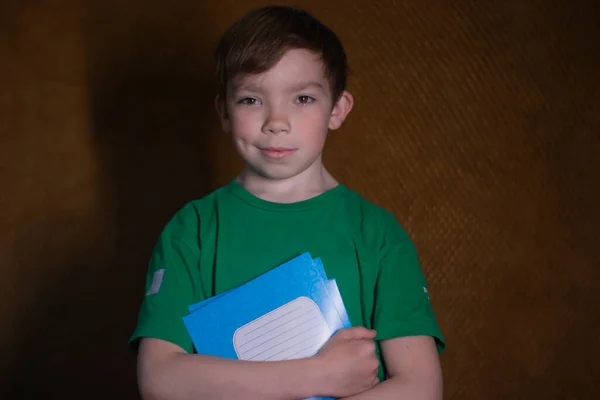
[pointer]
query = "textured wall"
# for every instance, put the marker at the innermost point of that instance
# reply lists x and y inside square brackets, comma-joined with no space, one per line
[477,123]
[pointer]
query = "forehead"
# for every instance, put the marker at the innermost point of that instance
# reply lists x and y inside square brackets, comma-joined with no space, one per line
[295,68]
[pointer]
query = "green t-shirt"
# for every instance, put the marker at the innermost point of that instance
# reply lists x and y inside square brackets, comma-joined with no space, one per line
[231,236]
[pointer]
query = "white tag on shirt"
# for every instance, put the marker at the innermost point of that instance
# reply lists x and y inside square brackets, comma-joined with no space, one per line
[156,281]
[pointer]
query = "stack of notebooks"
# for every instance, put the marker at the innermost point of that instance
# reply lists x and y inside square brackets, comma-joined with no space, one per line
[287,313]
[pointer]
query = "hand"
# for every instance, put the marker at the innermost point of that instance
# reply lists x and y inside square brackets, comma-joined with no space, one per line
[349,362]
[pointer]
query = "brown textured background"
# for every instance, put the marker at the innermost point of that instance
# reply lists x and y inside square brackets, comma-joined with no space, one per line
[476,122]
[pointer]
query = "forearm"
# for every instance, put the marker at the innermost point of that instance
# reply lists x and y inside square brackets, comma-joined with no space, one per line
[190,376]
[399,389]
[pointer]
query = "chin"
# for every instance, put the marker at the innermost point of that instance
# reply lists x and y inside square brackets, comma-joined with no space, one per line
[274,171]
[278,176]
[278,173]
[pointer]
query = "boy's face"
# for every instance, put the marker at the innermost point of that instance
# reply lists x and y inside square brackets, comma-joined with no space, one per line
[279,119]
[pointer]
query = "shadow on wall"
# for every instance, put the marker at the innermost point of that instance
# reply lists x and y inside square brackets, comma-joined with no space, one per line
[150,85]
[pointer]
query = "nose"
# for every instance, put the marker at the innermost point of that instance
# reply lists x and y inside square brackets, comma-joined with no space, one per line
[276,123]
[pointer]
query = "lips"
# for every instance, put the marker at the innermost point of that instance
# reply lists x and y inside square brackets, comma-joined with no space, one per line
[277,152]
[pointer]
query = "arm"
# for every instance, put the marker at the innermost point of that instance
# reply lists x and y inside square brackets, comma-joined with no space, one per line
[345,365]
[413,368]
[410,339]
[166,371]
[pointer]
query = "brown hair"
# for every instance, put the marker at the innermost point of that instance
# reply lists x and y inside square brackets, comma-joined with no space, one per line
[258,40]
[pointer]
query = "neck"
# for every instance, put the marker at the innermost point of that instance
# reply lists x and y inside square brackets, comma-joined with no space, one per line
[306,185]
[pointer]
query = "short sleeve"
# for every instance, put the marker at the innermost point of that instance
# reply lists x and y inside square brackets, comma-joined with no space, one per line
[171,284]
[402,303]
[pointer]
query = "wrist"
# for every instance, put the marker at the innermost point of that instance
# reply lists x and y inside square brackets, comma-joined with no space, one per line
[317,377]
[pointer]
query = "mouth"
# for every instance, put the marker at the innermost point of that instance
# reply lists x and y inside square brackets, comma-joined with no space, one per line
[277,152]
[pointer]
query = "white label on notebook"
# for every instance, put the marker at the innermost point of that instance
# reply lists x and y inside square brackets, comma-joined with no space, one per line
[295,330]
[156,281]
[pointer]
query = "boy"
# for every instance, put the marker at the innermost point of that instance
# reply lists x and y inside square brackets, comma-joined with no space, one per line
[282,77]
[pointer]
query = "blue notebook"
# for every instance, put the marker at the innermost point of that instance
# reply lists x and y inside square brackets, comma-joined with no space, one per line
[287,313]
[330,284]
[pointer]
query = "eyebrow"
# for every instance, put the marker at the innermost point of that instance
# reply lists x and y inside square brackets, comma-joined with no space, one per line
[294,88]
[306,85]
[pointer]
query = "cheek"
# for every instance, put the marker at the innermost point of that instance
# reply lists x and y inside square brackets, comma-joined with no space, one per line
[316,125]
[243,126]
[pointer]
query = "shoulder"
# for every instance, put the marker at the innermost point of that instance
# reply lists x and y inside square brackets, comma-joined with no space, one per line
[376,219]
[190,221]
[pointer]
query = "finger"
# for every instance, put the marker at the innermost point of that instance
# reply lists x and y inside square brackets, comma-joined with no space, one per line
[359,332]
[372,347]
[376,371]
[375,381]
[355,332]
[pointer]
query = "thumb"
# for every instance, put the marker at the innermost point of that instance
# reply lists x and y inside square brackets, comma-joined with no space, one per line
[359,332]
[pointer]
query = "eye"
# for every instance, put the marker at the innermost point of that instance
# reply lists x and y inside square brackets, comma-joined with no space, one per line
[248,101]
[305,99]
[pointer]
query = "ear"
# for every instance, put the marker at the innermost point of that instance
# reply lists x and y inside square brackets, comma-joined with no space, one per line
[221,107]
[340,110]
